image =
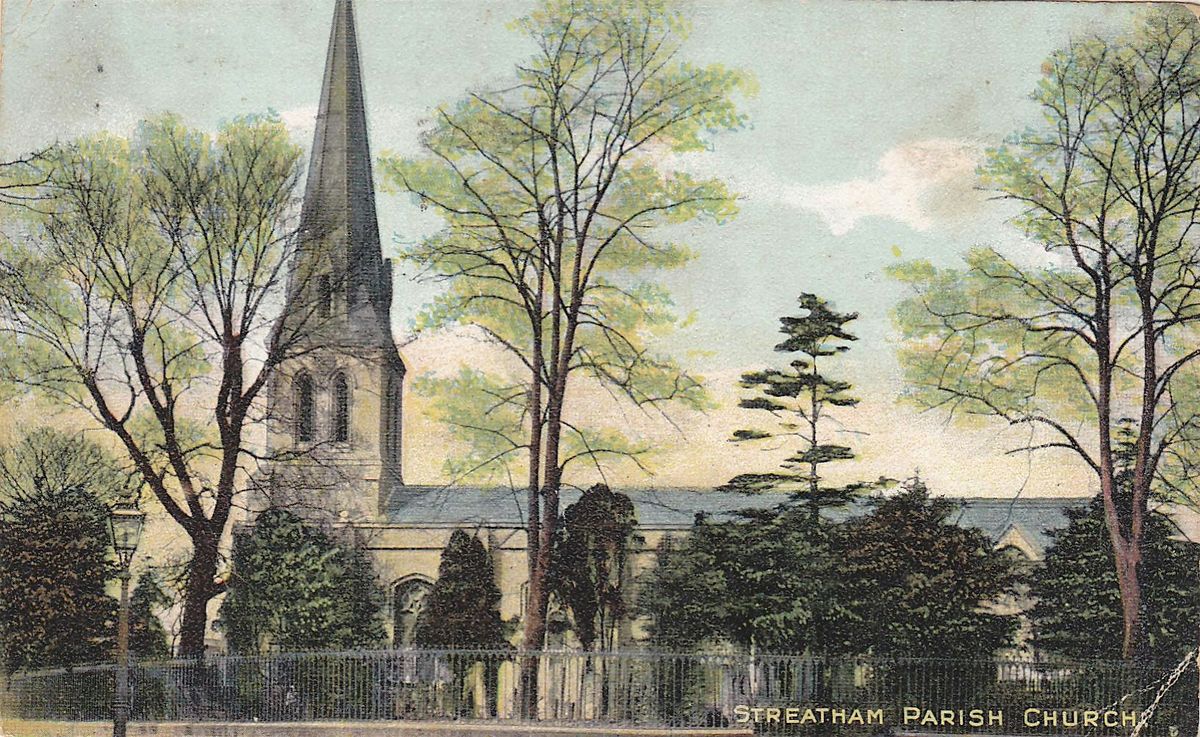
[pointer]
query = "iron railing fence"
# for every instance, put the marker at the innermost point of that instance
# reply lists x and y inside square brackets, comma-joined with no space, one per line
[775,693]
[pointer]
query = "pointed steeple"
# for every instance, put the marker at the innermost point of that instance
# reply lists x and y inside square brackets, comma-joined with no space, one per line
[338,214]
[336,402]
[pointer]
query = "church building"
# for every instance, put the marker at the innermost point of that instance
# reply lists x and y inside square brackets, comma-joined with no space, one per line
[336,437]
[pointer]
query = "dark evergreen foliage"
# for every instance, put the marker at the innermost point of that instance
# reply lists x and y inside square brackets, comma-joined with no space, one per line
[148,638]
[462,609]
[918,585]
[587,575]
[294,587]
[55,550]
[900,581]
[1078,611]
[1078,606]
[54,569]
[766,579]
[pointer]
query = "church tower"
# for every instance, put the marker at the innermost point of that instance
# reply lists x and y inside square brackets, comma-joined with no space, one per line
[335,403]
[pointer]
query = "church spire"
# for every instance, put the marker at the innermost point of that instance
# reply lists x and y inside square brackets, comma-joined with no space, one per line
[339,197]
[336,401]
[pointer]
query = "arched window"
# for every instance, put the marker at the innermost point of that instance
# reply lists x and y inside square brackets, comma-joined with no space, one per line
[341,409]
[408,601]
[303,387]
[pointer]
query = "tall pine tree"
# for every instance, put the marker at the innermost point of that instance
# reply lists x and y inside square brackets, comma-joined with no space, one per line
[768,577]
[799,399]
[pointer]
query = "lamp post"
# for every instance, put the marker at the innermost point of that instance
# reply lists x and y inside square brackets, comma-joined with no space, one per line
[125,520]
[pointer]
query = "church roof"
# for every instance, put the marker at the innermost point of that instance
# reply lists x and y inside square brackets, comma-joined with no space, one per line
[676,508]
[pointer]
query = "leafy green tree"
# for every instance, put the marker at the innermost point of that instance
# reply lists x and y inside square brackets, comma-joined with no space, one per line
[1077,613]
[589,572]
[552,204]
[1105,326]
[148,638]
[462,609]
[800,398]
[767,579]
[916,584]
[143,290]
[294,587]
[54,569]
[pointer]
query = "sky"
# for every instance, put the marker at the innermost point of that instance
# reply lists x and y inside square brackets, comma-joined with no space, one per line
[860,152]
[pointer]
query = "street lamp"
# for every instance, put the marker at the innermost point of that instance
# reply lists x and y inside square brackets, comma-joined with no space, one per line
[125,519]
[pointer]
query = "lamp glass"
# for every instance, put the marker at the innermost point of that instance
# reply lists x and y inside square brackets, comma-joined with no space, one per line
[126,520]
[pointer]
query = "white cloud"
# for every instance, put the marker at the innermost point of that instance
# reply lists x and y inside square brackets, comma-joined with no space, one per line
[915,184]
[301,121]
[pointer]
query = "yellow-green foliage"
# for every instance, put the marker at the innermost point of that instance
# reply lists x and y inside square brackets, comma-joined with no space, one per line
[557,196]
[1102,325]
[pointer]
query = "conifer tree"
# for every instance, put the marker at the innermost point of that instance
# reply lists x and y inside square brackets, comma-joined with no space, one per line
[54,567]
[462,609]
[1078,602]
[148,638]
[588,574]
[768,577]
[1078,609]
[799,398]
[914,584]
[55,550]
[764,579]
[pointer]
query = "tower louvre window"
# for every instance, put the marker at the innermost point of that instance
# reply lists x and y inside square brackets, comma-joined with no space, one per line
[341,409]
[304,407]
[392,429]
[324,295]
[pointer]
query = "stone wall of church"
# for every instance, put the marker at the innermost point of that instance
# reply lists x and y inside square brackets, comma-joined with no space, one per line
[407,557]
[338,442]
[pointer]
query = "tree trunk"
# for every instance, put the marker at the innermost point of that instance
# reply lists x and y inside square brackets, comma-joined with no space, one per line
[539,595]
[1126,546]
[535,615]
[202,570]
[535,636]
[1129,584]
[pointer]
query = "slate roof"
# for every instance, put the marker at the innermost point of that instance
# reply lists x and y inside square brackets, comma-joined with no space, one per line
[675,509]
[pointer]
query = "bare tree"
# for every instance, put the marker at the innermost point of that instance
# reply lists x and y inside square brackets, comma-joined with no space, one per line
[144,290]
[1103,332]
